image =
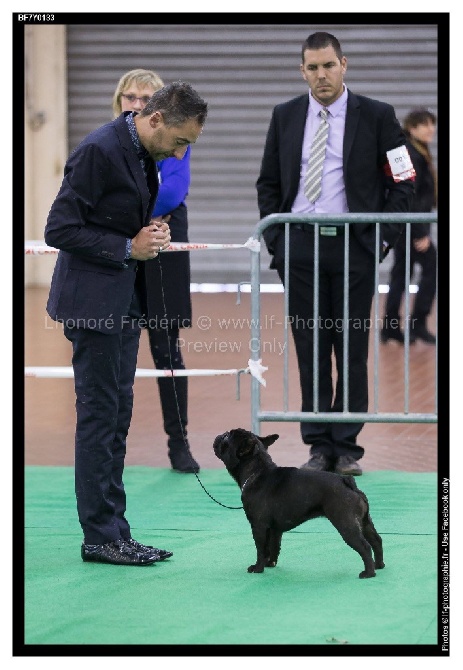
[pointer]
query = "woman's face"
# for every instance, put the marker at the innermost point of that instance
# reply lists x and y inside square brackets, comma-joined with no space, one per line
[135,98]
[424,132]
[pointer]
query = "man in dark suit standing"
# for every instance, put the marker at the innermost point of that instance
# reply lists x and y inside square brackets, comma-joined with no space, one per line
[100,221]
[351,136]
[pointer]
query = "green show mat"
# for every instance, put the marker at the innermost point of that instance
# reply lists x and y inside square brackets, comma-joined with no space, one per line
[203,595]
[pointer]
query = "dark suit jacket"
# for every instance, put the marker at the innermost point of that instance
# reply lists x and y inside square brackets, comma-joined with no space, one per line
[371,129]
[103,200]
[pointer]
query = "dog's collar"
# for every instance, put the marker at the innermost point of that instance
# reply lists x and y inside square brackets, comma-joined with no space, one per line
[250,477]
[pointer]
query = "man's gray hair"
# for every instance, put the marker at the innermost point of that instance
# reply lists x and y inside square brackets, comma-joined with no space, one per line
[178,102]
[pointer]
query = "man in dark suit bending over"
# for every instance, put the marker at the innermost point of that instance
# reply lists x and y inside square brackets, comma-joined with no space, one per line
[326,152]
[100,221]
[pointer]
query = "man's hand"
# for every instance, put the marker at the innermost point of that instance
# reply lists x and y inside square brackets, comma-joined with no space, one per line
[161,219]
[150,240]
[422,244]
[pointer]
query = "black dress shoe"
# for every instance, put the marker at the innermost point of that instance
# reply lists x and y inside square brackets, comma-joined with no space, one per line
[160,554]
[420,332]
[317,462]
[346,465]
[392,334]
[119,552]
[182,460]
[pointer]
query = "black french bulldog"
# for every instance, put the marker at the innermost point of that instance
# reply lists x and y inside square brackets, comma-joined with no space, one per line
[276,499]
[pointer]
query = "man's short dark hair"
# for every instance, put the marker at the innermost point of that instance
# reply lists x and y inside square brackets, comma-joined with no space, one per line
[322,40]
[178,102]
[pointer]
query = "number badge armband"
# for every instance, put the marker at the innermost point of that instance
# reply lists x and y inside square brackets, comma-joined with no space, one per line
[400,164]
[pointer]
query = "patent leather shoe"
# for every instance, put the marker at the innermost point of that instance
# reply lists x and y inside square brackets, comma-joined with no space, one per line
[160,554]
[346,465]
[118,552]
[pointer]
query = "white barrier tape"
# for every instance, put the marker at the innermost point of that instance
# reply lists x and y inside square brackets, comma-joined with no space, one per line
[39,248]
[255,369]
[36,248]
[67,372]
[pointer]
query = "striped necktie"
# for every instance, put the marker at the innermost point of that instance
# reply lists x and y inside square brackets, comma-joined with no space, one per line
[313,179]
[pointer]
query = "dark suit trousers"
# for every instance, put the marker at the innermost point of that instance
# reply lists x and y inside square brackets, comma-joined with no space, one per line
[330,439]
[104,370]
[427,285]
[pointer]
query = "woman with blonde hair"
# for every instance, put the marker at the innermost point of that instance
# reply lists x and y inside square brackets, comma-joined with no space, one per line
[167,277]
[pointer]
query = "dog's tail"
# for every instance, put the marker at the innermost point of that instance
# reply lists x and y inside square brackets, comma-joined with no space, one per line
[350,482]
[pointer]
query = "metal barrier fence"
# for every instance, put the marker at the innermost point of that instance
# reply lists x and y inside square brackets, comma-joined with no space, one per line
[374,416]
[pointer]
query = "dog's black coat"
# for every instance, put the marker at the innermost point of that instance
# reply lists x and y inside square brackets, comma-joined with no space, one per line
[276,499]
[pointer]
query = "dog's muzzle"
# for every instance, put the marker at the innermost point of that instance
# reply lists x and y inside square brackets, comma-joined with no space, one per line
[219,441]
[223,451]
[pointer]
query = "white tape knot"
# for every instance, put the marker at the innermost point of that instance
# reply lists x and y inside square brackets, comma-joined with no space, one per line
[252,244]
[256,369]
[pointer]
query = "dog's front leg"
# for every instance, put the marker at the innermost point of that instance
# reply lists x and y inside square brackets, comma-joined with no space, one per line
[259,534]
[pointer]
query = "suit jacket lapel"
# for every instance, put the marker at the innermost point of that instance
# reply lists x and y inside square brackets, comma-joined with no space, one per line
[352,119]
[298,126]
[133,161]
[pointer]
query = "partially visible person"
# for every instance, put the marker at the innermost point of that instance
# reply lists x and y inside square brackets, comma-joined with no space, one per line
[168,279]
[419,126]
[326,152]
[101,222]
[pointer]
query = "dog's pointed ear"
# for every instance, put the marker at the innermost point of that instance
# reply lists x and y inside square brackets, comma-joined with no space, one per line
[247,446]
[270,439]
